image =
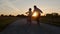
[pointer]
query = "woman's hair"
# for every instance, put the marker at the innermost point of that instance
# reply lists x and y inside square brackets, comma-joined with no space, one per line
[35,6]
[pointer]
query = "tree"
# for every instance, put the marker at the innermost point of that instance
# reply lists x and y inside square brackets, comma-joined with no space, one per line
[55,14]
[2,15]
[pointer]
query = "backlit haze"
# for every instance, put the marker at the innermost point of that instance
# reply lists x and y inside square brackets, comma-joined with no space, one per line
[15,7]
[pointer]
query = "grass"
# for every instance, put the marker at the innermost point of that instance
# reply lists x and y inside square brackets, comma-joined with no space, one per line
[4,21]
[52,21]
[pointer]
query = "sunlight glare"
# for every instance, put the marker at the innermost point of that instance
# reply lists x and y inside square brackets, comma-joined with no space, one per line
[35,14]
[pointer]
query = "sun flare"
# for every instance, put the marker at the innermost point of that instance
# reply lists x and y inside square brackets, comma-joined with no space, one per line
[35,14]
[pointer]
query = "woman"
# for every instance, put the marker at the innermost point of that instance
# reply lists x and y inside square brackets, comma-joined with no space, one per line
[38,11]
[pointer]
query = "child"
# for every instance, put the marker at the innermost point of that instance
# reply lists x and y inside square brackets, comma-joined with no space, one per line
[29,15]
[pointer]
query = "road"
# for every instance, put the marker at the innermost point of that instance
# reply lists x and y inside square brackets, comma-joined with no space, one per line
[20,27]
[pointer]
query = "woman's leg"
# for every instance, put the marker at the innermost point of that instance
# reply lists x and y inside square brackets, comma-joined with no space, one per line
[38,20]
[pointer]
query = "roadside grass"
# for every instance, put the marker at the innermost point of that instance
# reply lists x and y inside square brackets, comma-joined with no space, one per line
[51,21]
[5,21]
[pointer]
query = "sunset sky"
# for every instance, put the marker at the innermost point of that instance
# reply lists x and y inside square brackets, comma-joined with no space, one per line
[15,7]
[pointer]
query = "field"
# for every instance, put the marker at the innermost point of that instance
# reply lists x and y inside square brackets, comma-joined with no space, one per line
[50,20]
[5,21]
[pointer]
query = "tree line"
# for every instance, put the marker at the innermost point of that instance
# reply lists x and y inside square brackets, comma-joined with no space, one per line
[22,15]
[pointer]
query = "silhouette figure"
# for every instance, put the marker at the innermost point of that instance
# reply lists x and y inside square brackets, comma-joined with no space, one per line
[29,15]
[38,12]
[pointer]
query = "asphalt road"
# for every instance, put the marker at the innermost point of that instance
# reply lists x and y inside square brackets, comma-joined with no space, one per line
[20,27]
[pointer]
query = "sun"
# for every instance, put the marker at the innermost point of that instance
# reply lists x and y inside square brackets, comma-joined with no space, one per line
[35,14]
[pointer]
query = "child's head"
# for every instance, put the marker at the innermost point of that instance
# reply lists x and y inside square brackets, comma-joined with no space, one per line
[30,9]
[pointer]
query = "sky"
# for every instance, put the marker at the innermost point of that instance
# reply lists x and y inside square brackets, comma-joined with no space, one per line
[15,7]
